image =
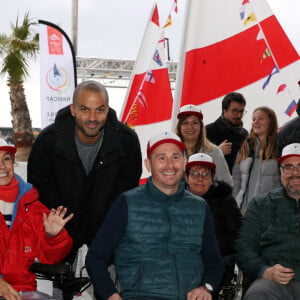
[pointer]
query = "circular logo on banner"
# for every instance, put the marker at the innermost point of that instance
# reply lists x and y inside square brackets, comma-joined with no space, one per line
[58,79]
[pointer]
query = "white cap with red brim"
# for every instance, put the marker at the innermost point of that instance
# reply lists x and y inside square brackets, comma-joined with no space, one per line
[8,148]
[190,109]
[165,137]
[201,159]
[289,151]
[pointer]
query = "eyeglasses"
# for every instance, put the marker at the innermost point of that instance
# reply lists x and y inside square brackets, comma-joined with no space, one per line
[237,111]
[289,169]
[205,175]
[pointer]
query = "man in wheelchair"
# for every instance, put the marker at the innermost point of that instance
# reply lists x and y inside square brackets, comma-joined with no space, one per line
[268,246]
[28,230]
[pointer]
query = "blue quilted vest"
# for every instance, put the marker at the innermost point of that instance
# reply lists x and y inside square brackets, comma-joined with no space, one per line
[159,255]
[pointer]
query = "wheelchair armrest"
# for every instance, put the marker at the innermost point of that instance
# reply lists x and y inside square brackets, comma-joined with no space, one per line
[51,270]
[63,277]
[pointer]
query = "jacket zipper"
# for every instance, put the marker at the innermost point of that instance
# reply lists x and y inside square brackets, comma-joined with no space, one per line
[167,249]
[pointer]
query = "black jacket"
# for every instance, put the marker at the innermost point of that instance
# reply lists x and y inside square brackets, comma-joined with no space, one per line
[55,169]
[289,133]
[226,215]
[219,131]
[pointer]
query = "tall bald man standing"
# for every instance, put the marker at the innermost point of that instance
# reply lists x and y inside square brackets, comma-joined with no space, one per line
[84,160]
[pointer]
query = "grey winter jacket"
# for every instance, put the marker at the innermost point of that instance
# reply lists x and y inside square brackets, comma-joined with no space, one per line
[254,176]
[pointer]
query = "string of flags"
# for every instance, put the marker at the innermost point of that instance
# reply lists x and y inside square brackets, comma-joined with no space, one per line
[150,80]
[251,17]
[149,77]
[174,8]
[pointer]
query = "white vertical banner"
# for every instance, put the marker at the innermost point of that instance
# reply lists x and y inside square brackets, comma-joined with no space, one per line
[57,71]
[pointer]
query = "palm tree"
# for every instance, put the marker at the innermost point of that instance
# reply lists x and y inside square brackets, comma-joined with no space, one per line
[16,50]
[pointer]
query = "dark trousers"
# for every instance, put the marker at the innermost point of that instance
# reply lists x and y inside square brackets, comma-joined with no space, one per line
[264,289]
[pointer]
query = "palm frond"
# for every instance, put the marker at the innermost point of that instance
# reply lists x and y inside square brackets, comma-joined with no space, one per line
[17,48]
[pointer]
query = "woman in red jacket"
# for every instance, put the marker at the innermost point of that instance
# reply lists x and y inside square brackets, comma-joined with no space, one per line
[28,230]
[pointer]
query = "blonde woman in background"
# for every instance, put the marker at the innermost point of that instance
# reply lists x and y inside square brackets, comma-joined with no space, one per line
[256,169]
[191,130]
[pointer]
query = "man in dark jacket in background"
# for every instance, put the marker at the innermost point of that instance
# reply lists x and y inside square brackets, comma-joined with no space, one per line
[227,131]
[84,161]
[289,132]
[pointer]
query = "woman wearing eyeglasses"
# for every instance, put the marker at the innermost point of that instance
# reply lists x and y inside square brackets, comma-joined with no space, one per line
[256,169]
[191,130]
[200,172]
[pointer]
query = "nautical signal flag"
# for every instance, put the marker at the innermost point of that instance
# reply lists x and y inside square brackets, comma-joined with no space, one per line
[175,6]
[281,88]
[260,35]
[149,77]
[250,18]
[169,21]
[267,53]
[157,58]
[242,12]
[291,108]
[243,9]
[274,71]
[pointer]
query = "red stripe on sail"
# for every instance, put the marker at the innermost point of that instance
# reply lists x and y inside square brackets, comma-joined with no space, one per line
[280,45]
[157,96]
[233,63]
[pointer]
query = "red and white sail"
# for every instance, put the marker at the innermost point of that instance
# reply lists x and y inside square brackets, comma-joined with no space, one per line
[148,104]
[235,45]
